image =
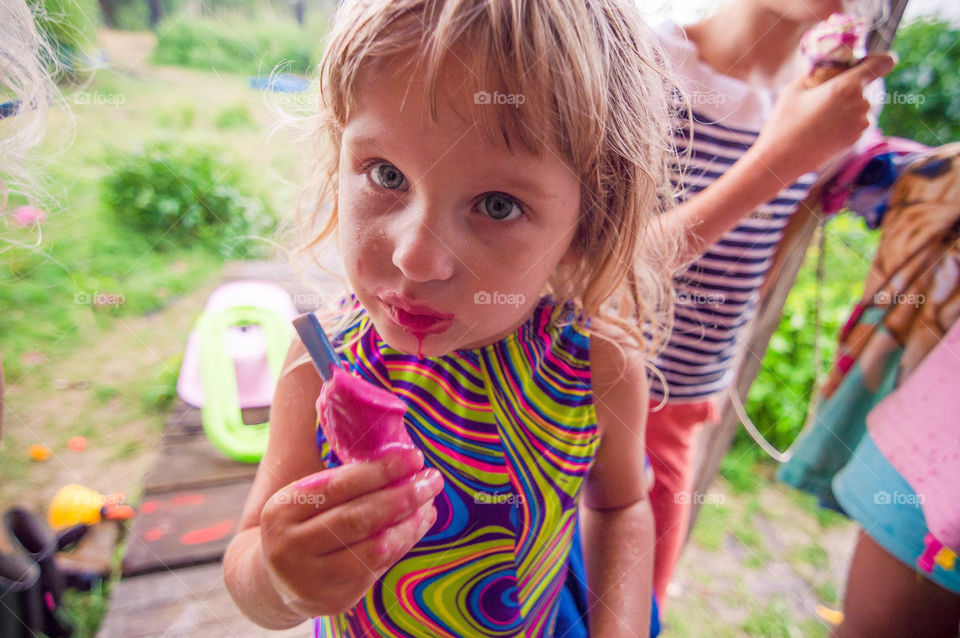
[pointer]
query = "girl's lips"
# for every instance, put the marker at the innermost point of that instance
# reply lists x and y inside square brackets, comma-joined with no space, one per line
[423,324]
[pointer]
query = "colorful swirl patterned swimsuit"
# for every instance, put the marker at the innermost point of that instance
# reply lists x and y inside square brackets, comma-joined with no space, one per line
[512,428]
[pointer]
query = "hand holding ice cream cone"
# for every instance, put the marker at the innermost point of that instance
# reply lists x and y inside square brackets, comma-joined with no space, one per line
[832,47]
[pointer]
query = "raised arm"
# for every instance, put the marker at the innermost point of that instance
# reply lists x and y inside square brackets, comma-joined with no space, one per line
[806,129]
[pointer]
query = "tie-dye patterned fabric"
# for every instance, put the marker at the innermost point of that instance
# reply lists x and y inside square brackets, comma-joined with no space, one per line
[512,428]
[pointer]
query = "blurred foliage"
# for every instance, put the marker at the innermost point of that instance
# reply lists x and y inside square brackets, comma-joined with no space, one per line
[923,92]
[70,27]
[237,44]
[779,397]
[236,116]
[134,15]
[179,194]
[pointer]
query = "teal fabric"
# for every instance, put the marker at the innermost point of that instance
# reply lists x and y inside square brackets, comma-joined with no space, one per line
[840,425]
[878,498]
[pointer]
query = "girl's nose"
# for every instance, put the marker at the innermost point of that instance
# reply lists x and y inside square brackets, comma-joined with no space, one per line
[422,249]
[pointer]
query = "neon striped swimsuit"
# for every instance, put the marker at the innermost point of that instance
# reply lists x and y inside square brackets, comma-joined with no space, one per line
[512,428]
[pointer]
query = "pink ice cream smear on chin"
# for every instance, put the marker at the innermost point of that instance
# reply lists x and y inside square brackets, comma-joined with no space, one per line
[361,421]
[837,40]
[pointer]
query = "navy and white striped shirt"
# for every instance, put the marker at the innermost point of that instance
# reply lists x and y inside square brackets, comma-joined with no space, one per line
[715,297]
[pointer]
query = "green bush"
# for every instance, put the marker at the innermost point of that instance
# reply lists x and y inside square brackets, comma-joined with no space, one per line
[134,15]
[181,194]
[923,92]
[236,116]
[236,45]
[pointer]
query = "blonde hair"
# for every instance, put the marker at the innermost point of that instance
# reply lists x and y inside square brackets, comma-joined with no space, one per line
[26,86]
[595,93]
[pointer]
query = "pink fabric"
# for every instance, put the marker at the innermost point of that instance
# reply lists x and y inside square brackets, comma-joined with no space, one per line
[836,192]
[917,427]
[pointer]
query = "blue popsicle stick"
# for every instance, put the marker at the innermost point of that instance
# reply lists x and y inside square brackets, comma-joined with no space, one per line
[317,344]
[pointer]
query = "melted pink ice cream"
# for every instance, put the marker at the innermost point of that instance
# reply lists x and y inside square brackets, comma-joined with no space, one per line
[360,420]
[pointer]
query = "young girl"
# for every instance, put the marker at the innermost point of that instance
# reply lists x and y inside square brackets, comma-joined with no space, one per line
[756,138]
[494,168]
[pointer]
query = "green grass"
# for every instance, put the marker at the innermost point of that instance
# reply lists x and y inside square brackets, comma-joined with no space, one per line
[825,518]
[771,621]
[103,393]
[46,292]
[711,526]
[827,592]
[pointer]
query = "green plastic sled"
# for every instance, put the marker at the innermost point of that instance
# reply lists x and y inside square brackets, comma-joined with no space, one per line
[222,419]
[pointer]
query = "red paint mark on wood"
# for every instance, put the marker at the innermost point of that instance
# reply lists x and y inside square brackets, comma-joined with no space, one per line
[153,534]
[149,506]
[188,499]
[207,534]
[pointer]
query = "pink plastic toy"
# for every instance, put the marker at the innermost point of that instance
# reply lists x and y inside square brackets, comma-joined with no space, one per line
[246,345]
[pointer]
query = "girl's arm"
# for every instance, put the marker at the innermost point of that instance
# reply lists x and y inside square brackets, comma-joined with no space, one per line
[314,547]
[806,128]
[617,523]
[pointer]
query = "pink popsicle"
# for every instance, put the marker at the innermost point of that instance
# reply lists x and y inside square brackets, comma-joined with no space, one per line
[360,420]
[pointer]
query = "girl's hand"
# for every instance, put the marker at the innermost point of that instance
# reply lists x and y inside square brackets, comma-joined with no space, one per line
[808,127]
[329,536]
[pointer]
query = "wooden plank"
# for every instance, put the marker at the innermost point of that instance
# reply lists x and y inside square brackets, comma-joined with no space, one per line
[183,528]
[193,463]
[187,603]
[186,421]
[714,441]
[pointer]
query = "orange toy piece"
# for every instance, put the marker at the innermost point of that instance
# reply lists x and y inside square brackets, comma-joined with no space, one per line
[74,504]
[38,452]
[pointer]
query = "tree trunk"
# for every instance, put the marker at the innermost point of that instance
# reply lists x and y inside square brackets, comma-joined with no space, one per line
[156,12]
[108,13]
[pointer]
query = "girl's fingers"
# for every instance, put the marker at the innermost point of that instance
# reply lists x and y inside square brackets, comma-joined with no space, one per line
[329,488]
[344,575]
[369,515]
[377,554]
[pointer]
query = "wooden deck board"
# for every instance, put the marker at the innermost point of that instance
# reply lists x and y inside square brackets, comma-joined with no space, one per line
[193,463]
[188,603]
[186,527]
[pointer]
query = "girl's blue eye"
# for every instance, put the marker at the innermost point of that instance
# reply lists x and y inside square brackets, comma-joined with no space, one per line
[500,207]
[387,175]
